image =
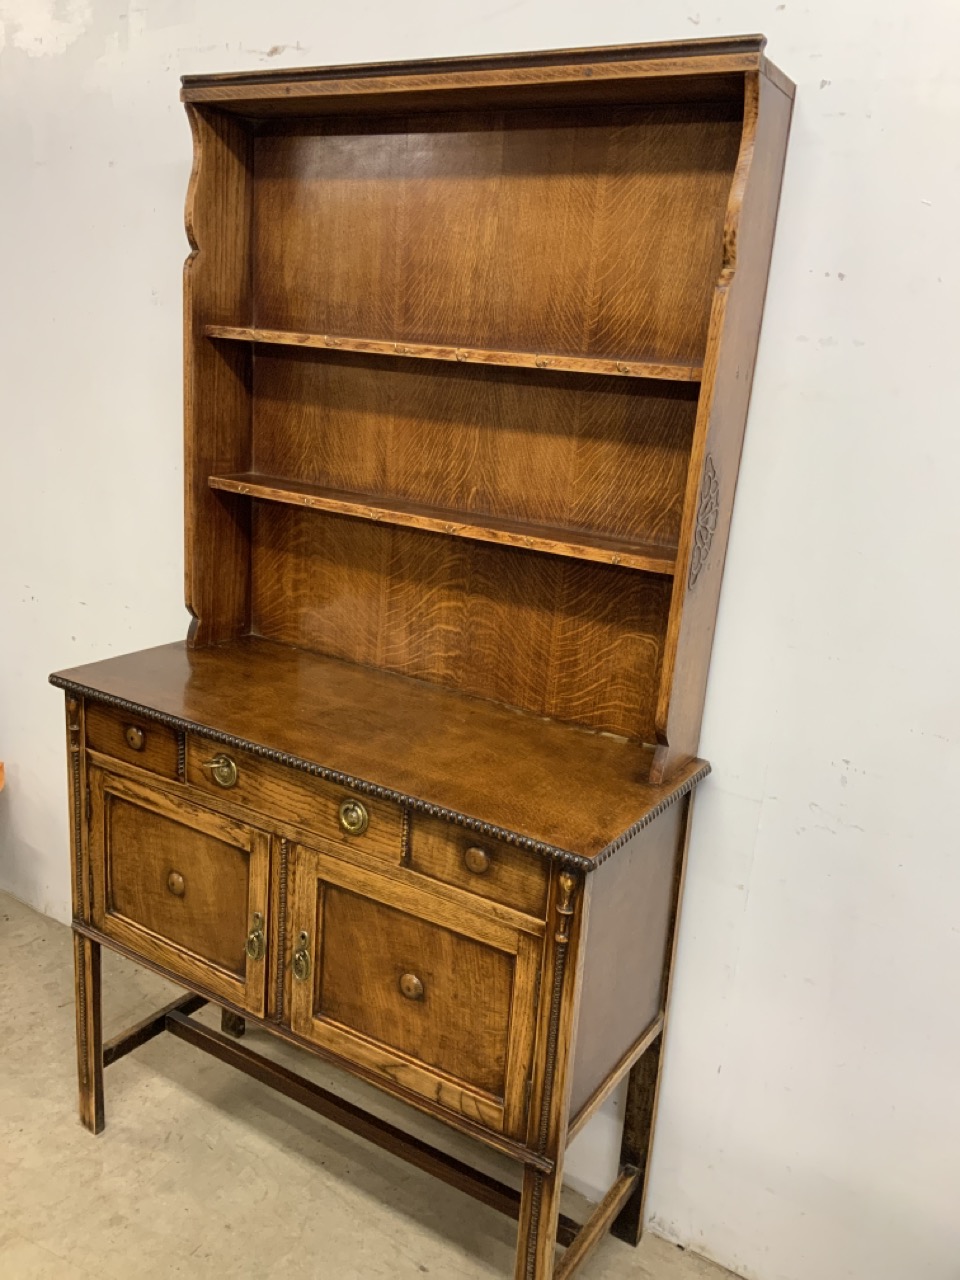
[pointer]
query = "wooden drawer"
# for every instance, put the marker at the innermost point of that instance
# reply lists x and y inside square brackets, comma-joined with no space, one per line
[183,886]
[140,742]
[485,867]
[284,794]
[411,988]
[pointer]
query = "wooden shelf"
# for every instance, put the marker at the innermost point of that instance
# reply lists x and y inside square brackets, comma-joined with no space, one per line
[602,548]
[669,372]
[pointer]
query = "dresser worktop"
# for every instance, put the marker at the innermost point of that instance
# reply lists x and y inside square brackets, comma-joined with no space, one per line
[552,787]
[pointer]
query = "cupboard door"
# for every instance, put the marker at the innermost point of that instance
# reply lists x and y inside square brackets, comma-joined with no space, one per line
[431,996]
[184,886]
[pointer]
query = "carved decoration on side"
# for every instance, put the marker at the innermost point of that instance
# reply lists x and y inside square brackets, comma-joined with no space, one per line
[80,946]
[73,730]
[708,513]
[566,888]
[281,930]
[405,837]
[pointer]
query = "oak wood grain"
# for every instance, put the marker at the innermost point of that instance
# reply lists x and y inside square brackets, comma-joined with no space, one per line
[584,640]
[140,838]
[491,1138]
[106,731]
[591,454]
[495,870]
[557,785]
[482,216]
[286,796]
[87,976]
[388,966]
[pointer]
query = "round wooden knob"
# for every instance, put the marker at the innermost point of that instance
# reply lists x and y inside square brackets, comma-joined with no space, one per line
[411,986]
[476,860]
[176,884]
[135,737]
[353,817]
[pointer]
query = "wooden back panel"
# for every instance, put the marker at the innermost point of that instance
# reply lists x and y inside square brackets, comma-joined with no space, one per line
[603,454]
[590,232]
[559,637]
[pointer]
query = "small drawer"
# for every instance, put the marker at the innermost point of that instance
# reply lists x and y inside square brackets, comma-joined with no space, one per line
[285,794]
[485,867]
[131,738]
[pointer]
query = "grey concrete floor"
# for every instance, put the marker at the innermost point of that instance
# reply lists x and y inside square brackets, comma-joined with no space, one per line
[202,1172]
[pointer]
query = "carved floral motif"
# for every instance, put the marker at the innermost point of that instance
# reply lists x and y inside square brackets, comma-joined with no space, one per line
[708,513]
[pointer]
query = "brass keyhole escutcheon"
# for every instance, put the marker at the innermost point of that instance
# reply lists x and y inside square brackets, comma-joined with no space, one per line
[476,860]
[135,737]
[411,986]
[256,944]
[301,958]
[223,770]
[176,884]
[353,817]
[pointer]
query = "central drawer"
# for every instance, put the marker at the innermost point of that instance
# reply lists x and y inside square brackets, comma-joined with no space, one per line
[412,988]
[286,794]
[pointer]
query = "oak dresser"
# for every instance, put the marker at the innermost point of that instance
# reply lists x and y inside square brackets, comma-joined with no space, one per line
[469,348]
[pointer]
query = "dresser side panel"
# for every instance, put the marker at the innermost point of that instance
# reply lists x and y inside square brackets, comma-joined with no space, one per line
[631,910]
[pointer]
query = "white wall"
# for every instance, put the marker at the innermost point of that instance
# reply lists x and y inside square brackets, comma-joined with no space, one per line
[810,1128]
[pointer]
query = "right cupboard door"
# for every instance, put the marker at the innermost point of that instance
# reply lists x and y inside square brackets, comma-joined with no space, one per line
[433,996]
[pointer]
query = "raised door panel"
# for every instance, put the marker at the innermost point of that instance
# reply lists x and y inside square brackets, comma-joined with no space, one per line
[185,887]
[427,994]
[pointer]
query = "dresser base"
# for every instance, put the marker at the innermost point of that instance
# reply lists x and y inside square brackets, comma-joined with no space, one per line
[94,1055]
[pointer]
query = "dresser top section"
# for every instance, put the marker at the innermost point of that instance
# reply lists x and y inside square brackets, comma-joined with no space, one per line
[552,788]
[711,70]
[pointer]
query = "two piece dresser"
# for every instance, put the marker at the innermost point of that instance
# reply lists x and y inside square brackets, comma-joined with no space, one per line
[469,348]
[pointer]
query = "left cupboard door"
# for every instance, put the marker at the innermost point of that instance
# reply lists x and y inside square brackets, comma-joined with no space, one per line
[182,886]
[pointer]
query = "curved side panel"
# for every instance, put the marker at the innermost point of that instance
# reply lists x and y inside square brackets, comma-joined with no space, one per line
[217,376]
[721,417]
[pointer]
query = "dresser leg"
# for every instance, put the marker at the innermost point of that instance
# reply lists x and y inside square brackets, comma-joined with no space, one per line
[86,956]
[643,1091]
[232,1024]
[537,1233]
[638,1121]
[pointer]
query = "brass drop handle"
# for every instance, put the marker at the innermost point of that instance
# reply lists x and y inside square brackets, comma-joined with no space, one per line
[353,817]
[256,944]
[135,737]
[476,860]
[176,884]
[301,958]
[223,770]
[411,986]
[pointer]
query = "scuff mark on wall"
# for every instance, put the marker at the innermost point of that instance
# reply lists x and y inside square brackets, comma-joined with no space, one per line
[43,28]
